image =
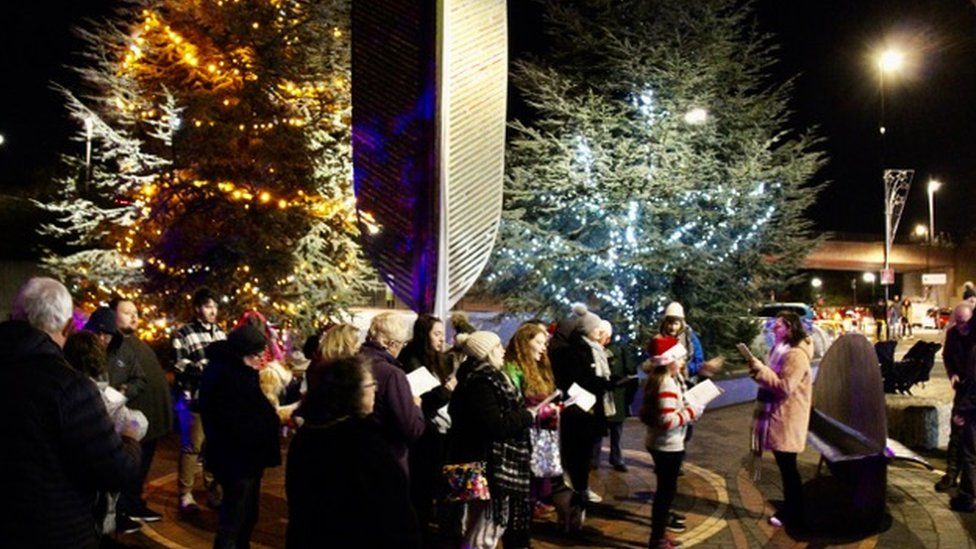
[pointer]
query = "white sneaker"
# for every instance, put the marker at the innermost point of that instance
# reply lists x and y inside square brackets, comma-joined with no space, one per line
[593,496]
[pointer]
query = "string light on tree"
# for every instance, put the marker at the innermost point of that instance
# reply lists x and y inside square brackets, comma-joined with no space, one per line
[626,192]
[222,140]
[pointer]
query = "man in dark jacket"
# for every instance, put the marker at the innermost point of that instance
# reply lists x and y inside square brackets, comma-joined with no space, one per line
[60,447]
[154,401]
[124,372]
[964,418]
[242,430]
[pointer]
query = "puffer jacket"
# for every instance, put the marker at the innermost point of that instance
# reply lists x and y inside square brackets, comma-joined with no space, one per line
[60,447]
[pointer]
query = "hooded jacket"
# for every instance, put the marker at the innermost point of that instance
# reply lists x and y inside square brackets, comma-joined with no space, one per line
[60,446]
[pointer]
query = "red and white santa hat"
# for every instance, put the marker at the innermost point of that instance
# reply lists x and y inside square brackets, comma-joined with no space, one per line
[666,349]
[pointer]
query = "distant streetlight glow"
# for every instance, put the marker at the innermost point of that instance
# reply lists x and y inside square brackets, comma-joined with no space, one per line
[869,278]
[934,185]
[696,116]
[921,230]
[2,139]
[891,60]
[816,283]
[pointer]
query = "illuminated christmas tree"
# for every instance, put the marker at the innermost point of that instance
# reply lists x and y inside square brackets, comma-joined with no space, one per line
[220,141]
[655,164]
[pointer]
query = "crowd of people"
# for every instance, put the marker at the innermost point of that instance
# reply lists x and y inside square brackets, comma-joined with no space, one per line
[502,434]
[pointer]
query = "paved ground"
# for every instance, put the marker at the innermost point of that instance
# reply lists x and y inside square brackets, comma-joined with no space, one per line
[725,506]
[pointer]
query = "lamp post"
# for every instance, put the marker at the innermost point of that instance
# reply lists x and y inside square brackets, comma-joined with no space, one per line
[89,130]
[889,61]
[934,185]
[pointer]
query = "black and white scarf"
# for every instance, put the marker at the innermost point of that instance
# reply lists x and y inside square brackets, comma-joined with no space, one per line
[508,465]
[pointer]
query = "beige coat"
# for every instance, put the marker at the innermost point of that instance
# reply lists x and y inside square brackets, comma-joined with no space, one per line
[790,414]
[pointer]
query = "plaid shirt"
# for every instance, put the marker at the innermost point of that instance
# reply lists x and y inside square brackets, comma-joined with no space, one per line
[190,343]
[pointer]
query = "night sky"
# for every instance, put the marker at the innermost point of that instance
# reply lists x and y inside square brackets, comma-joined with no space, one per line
[825,43]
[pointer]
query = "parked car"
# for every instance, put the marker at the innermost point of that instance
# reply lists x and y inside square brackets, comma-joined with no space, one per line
[937,317]
[767,316]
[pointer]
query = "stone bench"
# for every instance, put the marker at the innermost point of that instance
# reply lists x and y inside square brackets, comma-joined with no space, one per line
[918,422]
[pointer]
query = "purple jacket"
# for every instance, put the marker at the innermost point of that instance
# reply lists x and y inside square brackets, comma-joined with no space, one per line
[401,420]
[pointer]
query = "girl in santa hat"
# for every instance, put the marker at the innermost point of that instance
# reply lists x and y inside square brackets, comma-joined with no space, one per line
[667,417]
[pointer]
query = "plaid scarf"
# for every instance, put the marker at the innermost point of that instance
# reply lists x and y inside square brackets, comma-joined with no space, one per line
[508,464]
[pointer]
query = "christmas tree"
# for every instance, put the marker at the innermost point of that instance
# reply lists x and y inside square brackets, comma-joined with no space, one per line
[220,156]
[655,164]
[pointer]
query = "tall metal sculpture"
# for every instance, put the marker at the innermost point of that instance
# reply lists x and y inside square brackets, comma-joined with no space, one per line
[429,83]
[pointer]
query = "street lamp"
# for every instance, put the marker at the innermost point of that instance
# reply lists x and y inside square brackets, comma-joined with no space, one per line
[816,284]
[921,231]
[890,60]
[2,139]
[696,116]
[934,185]
[870,278]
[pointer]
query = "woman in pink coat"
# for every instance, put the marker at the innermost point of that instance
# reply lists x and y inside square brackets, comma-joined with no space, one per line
[783,409]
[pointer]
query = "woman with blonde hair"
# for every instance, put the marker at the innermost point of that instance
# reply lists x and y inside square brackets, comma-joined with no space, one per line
[397,411]
[340,341]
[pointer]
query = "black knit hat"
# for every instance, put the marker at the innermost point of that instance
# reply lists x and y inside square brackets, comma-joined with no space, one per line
[247,340]
[102,321]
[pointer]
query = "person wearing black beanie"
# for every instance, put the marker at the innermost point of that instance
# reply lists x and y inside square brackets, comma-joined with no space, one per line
[242,430]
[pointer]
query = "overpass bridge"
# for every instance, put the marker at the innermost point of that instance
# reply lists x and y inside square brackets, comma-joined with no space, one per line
[910,260]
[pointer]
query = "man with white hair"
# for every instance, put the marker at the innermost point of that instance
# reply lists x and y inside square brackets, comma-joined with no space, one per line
[60,447]
[396,410]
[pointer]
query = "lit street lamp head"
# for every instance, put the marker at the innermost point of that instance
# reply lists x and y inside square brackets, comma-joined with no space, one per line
[816,282]
[891,60]
[921,230]
[934,185]
[696,116]
[869,277]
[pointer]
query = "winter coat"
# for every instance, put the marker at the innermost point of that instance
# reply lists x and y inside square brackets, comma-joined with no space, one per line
[623,362]
[155,400]
[125,373]
[478,418]
[436,398]
[401,421]
[241,427]
[791,390]
[964,403]
[60,447]
[955,351]
[573,363]
[345,488]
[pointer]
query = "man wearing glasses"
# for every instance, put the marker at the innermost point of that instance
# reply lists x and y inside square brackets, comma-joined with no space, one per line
[396,410]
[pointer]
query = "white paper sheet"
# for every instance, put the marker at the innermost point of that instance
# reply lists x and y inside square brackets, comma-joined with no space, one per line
[581,397]
[421,381]
[700,395]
